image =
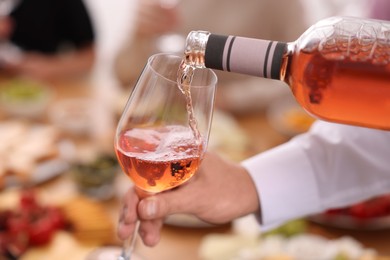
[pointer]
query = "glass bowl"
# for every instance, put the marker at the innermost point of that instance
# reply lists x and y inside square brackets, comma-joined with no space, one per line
[22,97]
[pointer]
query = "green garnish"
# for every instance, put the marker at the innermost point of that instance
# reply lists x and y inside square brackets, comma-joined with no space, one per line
[21,90]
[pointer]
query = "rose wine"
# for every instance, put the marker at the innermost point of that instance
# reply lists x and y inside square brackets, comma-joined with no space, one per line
[159,158]
[343,90]
[185,74]
[338,70]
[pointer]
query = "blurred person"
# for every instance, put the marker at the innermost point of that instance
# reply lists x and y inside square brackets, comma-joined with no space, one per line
[254,18]
[49,39]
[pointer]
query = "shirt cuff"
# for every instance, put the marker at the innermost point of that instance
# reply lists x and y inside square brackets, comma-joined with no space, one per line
[285,183]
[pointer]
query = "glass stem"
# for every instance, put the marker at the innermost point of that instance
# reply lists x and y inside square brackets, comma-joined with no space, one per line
[128,244]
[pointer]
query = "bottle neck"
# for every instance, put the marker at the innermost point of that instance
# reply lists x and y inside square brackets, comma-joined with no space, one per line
[249,56]
[195,48]
[254,57]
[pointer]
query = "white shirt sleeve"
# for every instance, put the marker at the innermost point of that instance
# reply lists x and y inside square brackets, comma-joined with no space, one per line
[330,166]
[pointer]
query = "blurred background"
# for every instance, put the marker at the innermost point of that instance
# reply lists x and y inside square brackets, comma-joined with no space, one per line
[66,71]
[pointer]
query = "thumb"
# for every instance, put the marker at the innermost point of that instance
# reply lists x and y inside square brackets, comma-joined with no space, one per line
[162,205]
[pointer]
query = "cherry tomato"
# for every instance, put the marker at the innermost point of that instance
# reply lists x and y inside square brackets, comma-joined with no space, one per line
[57,217]
[41,231]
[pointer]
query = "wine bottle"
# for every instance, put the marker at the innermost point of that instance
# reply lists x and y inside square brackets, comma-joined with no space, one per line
[338,70]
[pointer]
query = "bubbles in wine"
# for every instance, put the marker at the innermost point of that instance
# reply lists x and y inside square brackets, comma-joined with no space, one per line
[159,143]
[145,140]
[179,169]
[159,167]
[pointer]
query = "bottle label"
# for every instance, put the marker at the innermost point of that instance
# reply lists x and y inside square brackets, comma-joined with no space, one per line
[255,57]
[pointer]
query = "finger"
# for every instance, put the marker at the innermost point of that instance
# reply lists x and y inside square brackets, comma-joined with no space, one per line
[128,215]
[150,231]
[166,203]
[129,209]
[124,231]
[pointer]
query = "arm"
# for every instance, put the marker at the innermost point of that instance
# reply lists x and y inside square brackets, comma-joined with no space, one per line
[332,165]
[48,67]
[219,192]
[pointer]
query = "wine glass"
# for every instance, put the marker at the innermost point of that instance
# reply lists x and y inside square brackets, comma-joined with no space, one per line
[163,132]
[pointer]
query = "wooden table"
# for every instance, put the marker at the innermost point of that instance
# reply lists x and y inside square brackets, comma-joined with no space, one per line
[183,242]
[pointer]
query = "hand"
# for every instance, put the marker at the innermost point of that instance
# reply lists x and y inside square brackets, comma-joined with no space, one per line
[218,193]
[34,65]
[154,18]
[51,67]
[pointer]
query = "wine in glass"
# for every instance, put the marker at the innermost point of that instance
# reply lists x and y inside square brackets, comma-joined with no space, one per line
[163,132]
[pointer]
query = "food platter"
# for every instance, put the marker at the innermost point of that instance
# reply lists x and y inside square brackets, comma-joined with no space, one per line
[372,214]
[44,171]
[352,223]
[31,153]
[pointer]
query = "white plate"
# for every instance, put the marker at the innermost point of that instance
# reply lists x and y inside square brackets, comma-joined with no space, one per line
[348,222]
[47,170]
